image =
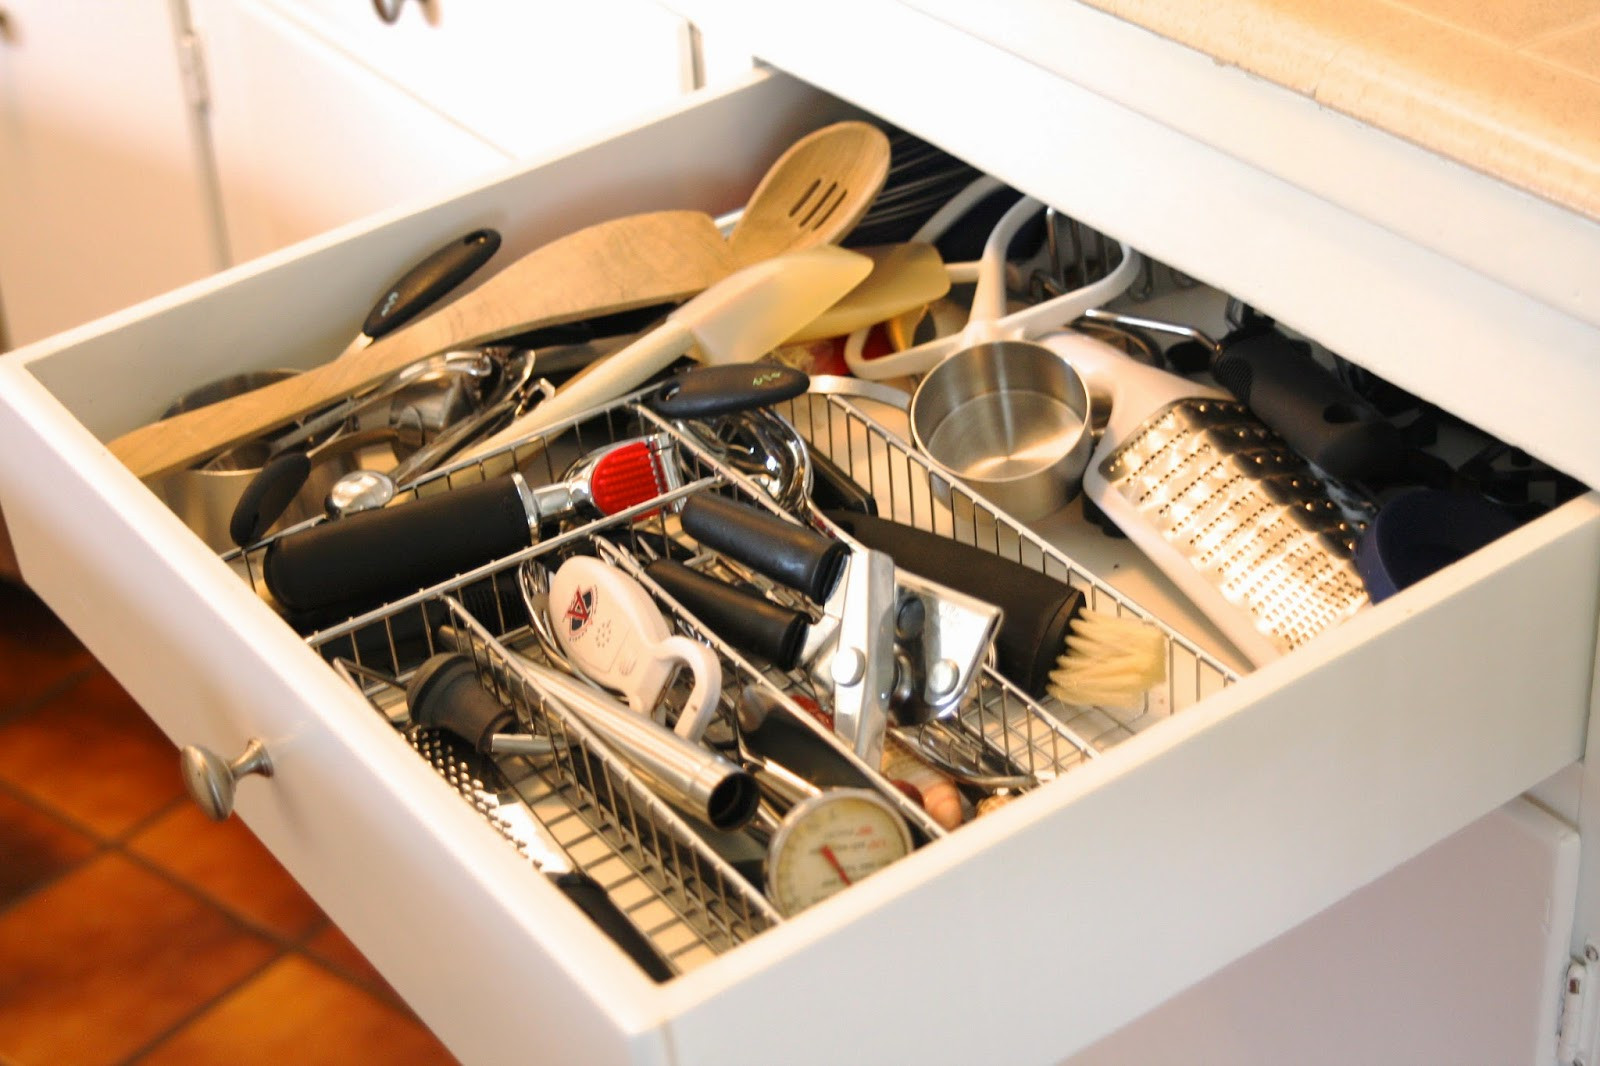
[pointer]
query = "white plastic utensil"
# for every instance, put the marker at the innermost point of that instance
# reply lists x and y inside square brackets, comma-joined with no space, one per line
[740,318]
[988,320]
[613,632]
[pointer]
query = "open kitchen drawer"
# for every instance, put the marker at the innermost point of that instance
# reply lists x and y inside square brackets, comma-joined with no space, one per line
[1024,936]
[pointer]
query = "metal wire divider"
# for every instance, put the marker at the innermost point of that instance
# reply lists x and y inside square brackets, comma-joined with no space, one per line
[689,901]
[687,897]
[910,489]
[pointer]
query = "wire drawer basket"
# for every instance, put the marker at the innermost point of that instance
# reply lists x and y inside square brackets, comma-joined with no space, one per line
[673,879]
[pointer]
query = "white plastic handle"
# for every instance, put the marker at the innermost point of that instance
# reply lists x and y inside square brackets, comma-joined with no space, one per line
[702,664]
[616,636]
[596,385]
[988,321]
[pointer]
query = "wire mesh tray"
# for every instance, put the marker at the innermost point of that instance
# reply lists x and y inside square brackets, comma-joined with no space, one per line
[690,898]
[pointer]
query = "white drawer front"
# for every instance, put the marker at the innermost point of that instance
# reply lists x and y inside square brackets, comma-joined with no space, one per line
[1025,936]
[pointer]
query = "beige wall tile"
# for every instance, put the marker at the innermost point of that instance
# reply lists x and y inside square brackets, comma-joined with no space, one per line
[1478,102]
[1513,22]
[1577,50]
[1289,43]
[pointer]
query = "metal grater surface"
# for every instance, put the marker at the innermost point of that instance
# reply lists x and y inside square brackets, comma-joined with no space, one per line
[680,908]
[1245,511]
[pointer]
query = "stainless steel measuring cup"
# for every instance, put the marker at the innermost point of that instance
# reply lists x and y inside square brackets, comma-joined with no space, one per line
[1011,420]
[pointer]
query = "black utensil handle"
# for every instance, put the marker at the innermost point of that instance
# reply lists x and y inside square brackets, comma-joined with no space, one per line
[794,555]
[1320,418]
[750,622]
[445,693]
[405,638]
[268,495]
[834,490]
[586,892]
[708,391]
[371,557]
[1038,609]
[428,281]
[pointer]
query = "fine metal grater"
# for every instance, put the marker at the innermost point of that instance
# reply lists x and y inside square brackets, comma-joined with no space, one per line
[1246,512]
[501,810]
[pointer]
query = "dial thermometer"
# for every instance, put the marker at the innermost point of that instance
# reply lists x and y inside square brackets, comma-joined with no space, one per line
[828,842]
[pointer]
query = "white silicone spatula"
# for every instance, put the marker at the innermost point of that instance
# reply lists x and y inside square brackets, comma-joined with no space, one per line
[740,318]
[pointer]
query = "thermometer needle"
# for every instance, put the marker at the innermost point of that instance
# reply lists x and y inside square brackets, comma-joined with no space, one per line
[833,861]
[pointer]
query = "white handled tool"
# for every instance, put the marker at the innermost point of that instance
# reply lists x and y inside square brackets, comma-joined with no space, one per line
[613,632]
[738,319]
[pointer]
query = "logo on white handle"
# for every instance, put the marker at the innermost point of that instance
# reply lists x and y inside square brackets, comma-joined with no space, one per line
[617,637]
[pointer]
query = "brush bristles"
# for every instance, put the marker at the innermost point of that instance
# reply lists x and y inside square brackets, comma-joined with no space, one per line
[1109,661]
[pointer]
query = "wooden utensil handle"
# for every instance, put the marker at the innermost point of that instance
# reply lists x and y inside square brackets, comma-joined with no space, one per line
[619,265]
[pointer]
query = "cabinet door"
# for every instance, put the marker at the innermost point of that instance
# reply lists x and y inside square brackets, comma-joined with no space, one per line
[526,75]
[306,138]
[103,198]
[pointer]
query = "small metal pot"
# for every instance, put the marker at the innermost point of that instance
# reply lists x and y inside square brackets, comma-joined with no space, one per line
[205,497]
[1011,420]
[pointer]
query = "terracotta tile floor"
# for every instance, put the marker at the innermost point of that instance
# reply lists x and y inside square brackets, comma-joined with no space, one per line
[132,929]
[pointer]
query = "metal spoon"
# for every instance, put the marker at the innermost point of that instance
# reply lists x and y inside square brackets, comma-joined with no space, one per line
[365,490]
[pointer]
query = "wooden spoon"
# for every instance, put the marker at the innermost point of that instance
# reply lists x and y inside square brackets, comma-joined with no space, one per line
[814,193]
[618,265]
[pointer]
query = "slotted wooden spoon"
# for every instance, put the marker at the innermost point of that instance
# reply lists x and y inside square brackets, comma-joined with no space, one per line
[812,194]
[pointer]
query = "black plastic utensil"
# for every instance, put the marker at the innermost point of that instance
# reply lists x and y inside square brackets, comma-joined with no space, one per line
[745,619]
[446,692]
[429,281]
[1324,421]
[801,558]
[371,556]
[1422,531]
[709,391]
[268,495]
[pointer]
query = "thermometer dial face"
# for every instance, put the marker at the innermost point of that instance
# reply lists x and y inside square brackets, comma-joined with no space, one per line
[827,843]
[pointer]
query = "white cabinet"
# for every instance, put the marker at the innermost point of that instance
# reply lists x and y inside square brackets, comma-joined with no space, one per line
[321,112]
[104,191]
[308,138]
[149,143]
[1057,920]
[525,75]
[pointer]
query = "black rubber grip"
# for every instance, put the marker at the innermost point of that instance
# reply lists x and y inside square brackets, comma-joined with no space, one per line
[371,557]
[793,555]
[268,495]
[402,639]
[1038,608]
[592,900]
[445,693]
[428,281]
[750,622]
[1312,410]
[708,391]
[834,490]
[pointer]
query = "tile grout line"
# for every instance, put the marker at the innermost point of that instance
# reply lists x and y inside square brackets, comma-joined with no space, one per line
[51,692]
[201,1009]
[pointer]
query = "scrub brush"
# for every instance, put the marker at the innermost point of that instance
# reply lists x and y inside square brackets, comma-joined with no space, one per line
[1049,642]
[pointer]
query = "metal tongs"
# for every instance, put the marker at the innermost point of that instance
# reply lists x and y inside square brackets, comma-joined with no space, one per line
[888,645]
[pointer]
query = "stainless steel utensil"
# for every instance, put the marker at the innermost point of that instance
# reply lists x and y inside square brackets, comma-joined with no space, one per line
[1219,502]
[1009,418]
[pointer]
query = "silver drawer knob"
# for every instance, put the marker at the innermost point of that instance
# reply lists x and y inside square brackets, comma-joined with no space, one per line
[211,780]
